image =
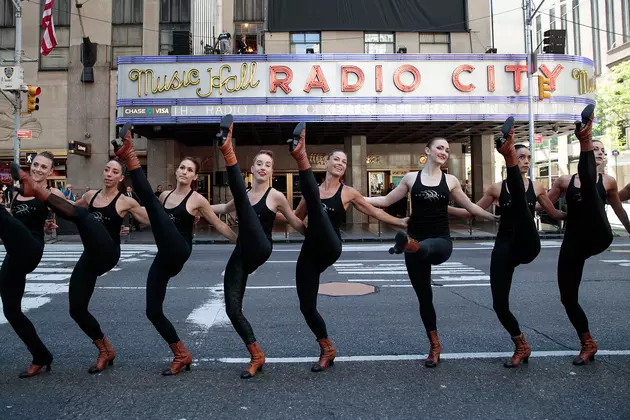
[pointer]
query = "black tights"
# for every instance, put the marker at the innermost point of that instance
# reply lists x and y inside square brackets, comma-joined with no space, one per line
[320,250]
[582,240]
[100,254]
[24,252]
[252,249]
[433,251]
[521,246]
[173,252]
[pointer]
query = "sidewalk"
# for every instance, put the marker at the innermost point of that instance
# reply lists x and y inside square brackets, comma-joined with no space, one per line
[373,232]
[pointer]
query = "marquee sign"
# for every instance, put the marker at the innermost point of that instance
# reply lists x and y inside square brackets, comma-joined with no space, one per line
[345,87]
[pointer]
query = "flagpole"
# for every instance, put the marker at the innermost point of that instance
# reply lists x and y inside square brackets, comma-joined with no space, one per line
[18,63]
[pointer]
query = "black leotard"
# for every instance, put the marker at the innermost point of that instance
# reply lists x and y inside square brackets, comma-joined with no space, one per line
[335,210]
[183,220]
[108,216]
[32,214]
[429,210]
[265,215]
[508,218]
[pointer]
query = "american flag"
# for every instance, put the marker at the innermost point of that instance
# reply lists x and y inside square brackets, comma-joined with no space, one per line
[49,41]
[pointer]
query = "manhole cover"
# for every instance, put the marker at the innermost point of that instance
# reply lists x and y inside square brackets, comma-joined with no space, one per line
[345,289]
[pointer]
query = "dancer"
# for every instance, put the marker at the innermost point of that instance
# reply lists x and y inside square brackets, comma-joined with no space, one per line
[101,242]
[428,241]
[587,230]
[109,207]
[256,211]
[326,207]
[22,233]
[172,218]
[517,240]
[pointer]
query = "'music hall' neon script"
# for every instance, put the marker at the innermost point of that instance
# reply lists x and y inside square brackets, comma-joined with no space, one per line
[282,76]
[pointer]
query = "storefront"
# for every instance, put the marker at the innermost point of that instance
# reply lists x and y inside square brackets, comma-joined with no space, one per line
[381,109]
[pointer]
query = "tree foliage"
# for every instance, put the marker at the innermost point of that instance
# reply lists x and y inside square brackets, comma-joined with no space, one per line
[613,104]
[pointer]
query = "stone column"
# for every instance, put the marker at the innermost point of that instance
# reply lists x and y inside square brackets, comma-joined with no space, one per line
[151,27]
[356,172]
[482,156]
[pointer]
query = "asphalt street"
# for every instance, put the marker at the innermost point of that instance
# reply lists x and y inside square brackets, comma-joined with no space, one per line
[381,344]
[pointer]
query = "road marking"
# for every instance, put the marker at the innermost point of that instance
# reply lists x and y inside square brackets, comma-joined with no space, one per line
[52,275]
[442,285]
[210,314]
[404,357]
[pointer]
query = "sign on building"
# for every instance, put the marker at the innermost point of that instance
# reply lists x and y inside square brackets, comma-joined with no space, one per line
[345,88]
[11,78]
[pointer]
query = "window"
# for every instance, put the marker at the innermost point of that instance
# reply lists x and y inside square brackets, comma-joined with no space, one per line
[552,17]
[7,30]
[610,24]
[126,28]
[539,38]
[7,14]
[576,27]
[435,43]
[175,23]
[59,57]
[303,40]
[174,11]
[597,53]
[127,12]
[249,10]
[379,42]
[563,16]
[625,20]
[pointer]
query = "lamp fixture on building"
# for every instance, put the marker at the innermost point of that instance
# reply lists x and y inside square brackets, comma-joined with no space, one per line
[402,50]
[310,51]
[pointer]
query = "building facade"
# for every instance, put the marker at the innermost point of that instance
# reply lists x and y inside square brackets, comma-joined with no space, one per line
[597,29]
[418,79]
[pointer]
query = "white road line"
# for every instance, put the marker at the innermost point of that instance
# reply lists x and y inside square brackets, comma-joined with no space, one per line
[405,357]
[463,278]
[442,285]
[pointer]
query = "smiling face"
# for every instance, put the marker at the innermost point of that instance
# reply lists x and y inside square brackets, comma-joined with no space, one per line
[112,174]
[186,173]
[41,168]
[337,163]
[524,157]
[438,151]
[262,168]
[600,152]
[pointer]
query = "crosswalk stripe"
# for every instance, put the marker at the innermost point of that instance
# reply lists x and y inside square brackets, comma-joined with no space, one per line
[53,273]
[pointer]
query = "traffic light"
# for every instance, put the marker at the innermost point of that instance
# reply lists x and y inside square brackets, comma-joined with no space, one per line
[554,41]
[33,100]
[544,89]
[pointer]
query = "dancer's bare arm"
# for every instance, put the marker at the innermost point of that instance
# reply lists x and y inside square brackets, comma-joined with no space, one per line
[361,204]
[396,194]
[203,208]
[286,213]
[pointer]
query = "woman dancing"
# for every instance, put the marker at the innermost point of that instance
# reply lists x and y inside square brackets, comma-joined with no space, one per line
[325,206]
[99,229]
[22,233]
[256,211]
[587,230]
[172,218]
[517,240]
[428,241]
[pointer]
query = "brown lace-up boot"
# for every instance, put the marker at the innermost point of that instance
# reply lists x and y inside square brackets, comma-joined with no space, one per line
[521,353]
[327,355]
